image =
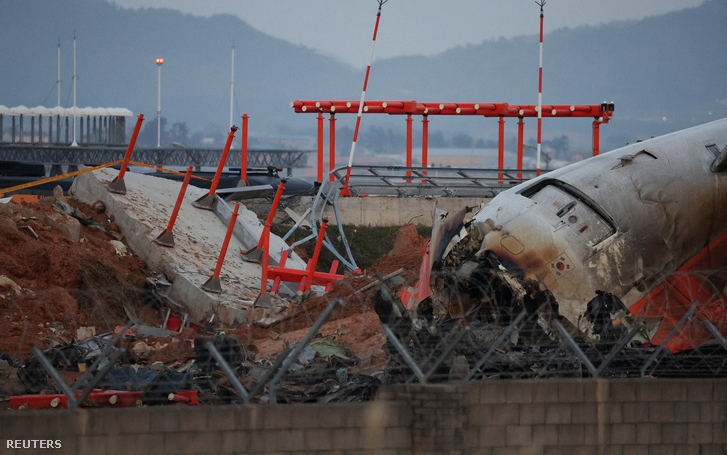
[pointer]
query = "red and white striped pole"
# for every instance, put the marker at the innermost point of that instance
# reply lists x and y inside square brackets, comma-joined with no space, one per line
[345,191]
[540,88]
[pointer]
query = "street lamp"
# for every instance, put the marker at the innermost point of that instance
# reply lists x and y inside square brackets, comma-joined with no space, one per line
[159,61]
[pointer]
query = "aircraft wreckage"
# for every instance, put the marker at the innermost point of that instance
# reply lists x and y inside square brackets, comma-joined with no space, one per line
[636,235]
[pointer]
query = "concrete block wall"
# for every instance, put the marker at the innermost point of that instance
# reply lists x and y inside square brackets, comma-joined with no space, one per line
[614,417]
[381,427]
[493,417]
[392,211]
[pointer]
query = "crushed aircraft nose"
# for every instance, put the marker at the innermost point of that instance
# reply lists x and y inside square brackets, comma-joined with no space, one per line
[629,228]
[472,284]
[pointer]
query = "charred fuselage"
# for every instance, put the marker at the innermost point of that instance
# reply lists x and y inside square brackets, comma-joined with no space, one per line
[625,223]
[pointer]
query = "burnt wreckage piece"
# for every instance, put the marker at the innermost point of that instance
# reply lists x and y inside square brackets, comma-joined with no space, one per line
[512,319]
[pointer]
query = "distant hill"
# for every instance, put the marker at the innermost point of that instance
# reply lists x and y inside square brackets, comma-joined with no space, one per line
[664,73]
[670,66]
[116,52]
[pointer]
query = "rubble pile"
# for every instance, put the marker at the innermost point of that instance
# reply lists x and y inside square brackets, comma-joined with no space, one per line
[72,289]
[69,283]
[486,319]
[63,268]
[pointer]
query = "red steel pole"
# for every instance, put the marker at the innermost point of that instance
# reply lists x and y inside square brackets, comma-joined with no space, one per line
[132,142]
[596,134]
[223,252]
[187,176]
[408,143]
[273,209]
[332,145]
[264,243]
[320,146]
[520,137]
[166,238]
[117,185]
[223,159]
[254,254]
[130,148]
[265,240]
[243,159]
[316,253]
[278,279]
[501,146]
[540,88]
[425,141]
[345,191]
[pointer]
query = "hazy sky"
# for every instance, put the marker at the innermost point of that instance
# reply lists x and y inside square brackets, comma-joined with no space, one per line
[344,28]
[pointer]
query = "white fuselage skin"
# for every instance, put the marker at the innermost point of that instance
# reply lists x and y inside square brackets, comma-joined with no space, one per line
[619,222]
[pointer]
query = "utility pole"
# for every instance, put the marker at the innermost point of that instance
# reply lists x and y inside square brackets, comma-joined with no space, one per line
[159,61]
[232,81]
[74,143]
[540,87]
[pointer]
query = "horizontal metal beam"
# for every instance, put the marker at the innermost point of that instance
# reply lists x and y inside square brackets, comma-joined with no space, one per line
[421,181]
[95,155]
[603,110]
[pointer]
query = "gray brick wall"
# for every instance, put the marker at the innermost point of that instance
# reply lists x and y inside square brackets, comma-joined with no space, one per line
[598,417]
[629,416]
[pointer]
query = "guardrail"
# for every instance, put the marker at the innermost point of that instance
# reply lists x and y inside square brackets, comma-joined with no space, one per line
[401,181]
[197,157]
[430,181]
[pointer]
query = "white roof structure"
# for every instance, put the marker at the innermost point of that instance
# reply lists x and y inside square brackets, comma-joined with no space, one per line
[66,112]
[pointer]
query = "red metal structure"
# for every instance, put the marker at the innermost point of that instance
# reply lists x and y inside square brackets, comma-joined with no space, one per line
[307,277]
[601,113]
[166,238]
[243,159]
[540,87]
[257,253]
[206,202]
[213,283]
[97,398]
[117,185]
[345,191]
[280,273]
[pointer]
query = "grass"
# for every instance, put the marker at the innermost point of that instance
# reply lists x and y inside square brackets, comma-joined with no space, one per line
[367,243]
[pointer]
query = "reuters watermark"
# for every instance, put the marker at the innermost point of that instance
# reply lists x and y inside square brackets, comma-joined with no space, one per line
[33,444]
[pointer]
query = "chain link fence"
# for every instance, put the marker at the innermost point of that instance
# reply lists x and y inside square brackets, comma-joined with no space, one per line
[86,324]
[490,341]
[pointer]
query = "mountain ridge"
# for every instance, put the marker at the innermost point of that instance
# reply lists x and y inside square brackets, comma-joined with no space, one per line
[663,72]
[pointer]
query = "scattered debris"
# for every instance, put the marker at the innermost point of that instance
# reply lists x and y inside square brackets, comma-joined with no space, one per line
[439,309]
[5,281]
[343,362]
[119,247]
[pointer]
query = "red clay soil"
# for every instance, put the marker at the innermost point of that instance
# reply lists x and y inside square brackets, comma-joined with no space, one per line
[355,323]
[51,286]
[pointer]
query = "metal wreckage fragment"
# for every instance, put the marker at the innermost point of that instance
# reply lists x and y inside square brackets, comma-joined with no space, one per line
[614,264]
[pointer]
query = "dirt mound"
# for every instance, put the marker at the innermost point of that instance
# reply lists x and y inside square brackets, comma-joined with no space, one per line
[64,266]
[355,322]
[55,285]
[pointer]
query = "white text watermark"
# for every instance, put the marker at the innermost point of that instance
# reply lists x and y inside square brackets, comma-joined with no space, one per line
[33,444]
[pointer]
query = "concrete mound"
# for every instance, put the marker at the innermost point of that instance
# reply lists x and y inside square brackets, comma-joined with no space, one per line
[144,212]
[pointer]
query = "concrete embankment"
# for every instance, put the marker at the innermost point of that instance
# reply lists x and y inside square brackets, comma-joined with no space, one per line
[382,211]
[144,212]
